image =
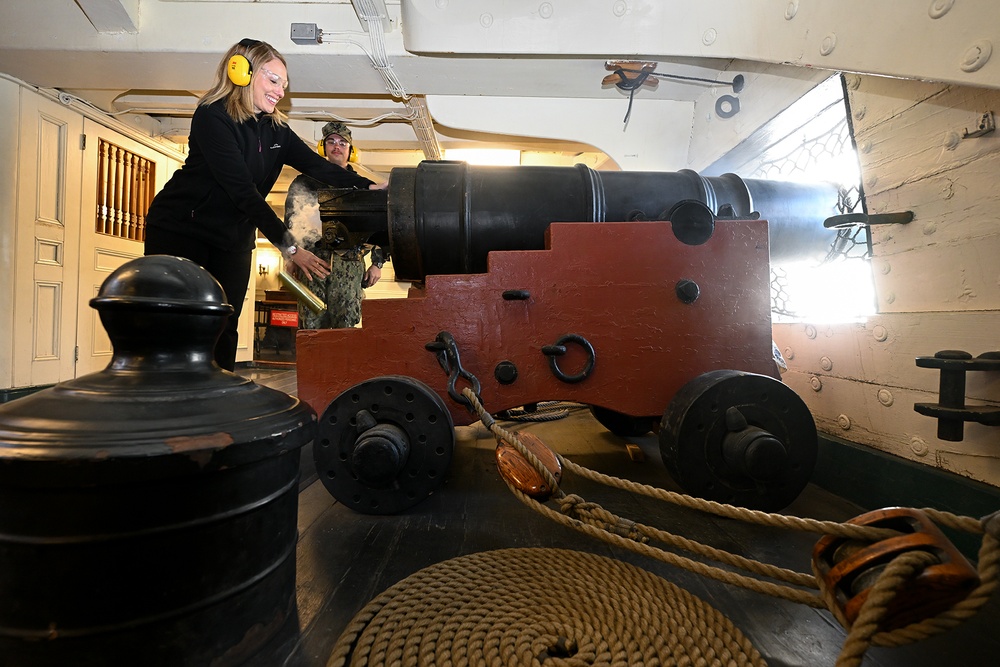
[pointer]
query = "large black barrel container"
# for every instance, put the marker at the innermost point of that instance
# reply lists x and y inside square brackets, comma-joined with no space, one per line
[148,511]
[445,217]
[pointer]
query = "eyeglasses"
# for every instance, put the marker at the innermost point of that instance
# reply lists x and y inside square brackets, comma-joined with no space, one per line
[337,141]
[275,79]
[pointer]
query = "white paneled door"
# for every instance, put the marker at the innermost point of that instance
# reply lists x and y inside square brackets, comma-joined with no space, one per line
[46,240]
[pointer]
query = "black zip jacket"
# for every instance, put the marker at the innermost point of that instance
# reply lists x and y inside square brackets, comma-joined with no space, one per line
[217,196]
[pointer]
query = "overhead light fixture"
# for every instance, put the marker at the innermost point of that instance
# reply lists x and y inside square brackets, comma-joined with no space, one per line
[485,156]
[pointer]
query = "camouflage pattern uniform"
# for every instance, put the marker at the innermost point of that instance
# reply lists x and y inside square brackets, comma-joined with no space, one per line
[342,290]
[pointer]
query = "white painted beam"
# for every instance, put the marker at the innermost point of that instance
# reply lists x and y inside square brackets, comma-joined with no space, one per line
[937,40]
[112,16]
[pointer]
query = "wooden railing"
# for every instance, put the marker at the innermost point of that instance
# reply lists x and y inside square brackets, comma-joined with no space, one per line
[125,183]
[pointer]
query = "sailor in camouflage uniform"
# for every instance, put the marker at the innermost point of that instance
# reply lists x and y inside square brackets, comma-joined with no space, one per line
[342,290]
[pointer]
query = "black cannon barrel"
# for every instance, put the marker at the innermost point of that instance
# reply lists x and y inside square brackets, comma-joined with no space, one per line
[445,217]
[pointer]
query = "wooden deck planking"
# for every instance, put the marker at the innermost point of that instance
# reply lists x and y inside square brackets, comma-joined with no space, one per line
[345,559]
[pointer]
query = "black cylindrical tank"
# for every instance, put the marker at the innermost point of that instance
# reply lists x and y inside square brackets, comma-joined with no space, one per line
[148,511]
[444,217]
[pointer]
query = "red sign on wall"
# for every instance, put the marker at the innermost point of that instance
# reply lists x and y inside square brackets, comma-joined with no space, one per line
[284,318]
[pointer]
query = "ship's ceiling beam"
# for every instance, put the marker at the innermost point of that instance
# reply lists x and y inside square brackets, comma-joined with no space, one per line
[112,16]
[941,40]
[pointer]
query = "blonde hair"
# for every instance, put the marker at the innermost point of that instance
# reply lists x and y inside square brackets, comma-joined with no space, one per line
[239,99]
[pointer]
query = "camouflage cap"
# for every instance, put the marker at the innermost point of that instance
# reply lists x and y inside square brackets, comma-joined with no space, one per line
[336,127]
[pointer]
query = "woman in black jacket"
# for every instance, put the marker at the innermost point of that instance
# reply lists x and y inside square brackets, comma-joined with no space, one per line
[211,207]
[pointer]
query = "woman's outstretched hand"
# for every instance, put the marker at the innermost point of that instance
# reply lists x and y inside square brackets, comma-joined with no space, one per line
[310,264]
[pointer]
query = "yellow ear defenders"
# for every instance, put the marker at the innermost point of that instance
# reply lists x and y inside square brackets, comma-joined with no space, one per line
[239,68]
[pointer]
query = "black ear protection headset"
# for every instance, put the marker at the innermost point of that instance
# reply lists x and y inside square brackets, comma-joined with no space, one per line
[239,68]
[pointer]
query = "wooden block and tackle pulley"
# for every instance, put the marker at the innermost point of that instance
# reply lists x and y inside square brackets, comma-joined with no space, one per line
[848,569]
[520,473]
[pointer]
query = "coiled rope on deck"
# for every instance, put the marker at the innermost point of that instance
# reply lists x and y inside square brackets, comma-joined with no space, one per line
[522,607]
[593,520]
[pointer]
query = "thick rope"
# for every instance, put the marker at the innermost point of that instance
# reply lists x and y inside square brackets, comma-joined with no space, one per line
[593,520]
[899,571]
[846,530]
[605,533]
[546,411]
[522,607]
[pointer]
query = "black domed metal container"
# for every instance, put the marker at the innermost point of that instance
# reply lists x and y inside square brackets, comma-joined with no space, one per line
[148,511]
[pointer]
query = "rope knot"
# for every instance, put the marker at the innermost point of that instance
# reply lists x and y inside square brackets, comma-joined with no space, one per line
[594,515]
[574,506]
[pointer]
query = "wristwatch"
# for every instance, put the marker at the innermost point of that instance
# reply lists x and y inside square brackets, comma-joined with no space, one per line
[291,250]
[378,265]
